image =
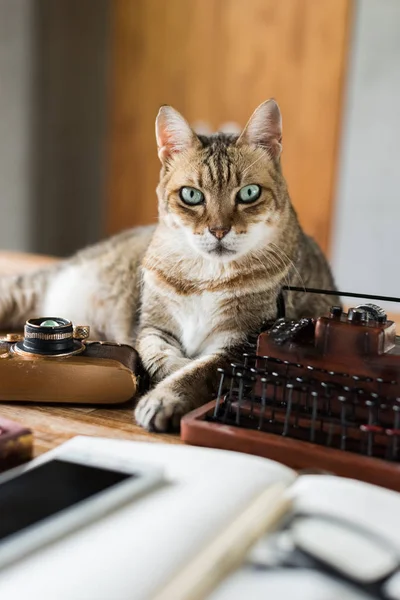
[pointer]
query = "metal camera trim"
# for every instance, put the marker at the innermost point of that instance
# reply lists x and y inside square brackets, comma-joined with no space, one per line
[30,324]
[23,353]
[77,335]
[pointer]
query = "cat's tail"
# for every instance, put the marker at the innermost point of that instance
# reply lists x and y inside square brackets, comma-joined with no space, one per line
[21,297]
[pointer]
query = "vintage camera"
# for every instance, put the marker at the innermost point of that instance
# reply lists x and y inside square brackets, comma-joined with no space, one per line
[53,361]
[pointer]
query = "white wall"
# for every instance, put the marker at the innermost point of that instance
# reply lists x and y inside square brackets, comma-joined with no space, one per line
[15,119]
[53,91]
[367,224]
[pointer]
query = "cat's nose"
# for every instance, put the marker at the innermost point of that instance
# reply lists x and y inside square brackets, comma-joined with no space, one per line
[219,232]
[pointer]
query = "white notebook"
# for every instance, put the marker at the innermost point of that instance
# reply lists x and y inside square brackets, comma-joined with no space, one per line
[133,552]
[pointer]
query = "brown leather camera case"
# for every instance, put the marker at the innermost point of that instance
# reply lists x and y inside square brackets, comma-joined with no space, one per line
[104,373]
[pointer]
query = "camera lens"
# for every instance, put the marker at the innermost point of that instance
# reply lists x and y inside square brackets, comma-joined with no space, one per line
[48,336]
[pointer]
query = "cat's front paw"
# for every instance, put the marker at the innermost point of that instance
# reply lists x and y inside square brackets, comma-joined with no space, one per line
[161,410]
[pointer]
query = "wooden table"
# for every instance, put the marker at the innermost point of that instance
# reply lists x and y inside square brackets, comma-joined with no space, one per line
[54,424]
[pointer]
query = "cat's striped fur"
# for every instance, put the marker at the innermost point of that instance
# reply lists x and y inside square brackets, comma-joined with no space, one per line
[187,297]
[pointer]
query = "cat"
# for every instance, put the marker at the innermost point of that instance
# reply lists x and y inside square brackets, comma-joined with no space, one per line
[188,291]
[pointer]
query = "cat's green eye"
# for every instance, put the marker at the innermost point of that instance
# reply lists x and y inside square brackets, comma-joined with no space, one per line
[191,196]
[249,193]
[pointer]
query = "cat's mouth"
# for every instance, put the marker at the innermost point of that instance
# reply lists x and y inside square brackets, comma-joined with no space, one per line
[221,250]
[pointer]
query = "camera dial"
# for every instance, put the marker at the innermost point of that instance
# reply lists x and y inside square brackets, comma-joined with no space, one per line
[51,336]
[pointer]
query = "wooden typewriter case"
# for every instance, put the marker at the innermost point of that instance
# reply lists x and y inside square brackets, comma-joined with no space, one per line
[321,394]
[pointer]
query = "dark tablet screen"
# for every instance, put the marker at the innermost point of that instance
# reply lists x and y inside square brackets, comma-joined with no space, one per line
[49,489]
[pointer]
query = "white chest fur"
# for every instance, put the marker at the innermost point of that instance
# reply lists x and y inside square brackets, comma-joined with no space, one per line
[198,316]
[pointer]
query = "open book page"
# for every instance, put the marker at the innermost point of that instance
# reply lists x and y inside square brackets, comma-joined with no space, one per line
[134,551]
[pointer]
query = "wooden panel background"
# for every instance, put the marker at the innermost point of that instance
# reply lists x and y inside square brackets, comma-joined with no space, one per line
[216,60]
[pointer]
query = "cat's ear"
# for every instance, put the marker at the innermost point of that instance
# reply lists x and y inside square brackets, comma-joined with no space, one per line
[264,128]
[173,133]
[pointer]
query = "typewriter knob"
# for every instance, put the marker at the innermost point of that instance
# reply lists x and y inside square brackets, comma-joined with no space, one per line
[336,311]
[357,315]
[374,312]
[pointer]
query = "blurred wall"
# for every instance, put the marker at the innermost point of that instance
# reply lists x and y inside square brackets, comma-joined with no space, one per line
[15,122]
[367,224]
[215,61]
[53,99]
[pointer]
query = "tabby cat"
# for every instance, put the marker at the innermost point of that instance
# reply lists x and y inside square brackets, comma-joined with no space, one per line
[187,292]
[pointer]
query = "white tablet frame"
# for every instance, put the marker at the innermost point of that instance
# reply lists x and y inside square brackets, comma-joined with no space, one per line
[87,511]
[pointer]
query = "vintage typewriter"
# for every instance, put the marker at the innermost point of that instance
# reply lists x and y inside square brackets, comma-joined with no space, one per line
[314,393]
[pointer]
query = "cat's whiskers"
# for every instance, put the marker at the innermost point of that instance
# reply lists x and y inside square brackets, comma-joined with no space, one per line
[269,256]
[276,269]
[280,266]
[258,259]
[281,252]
